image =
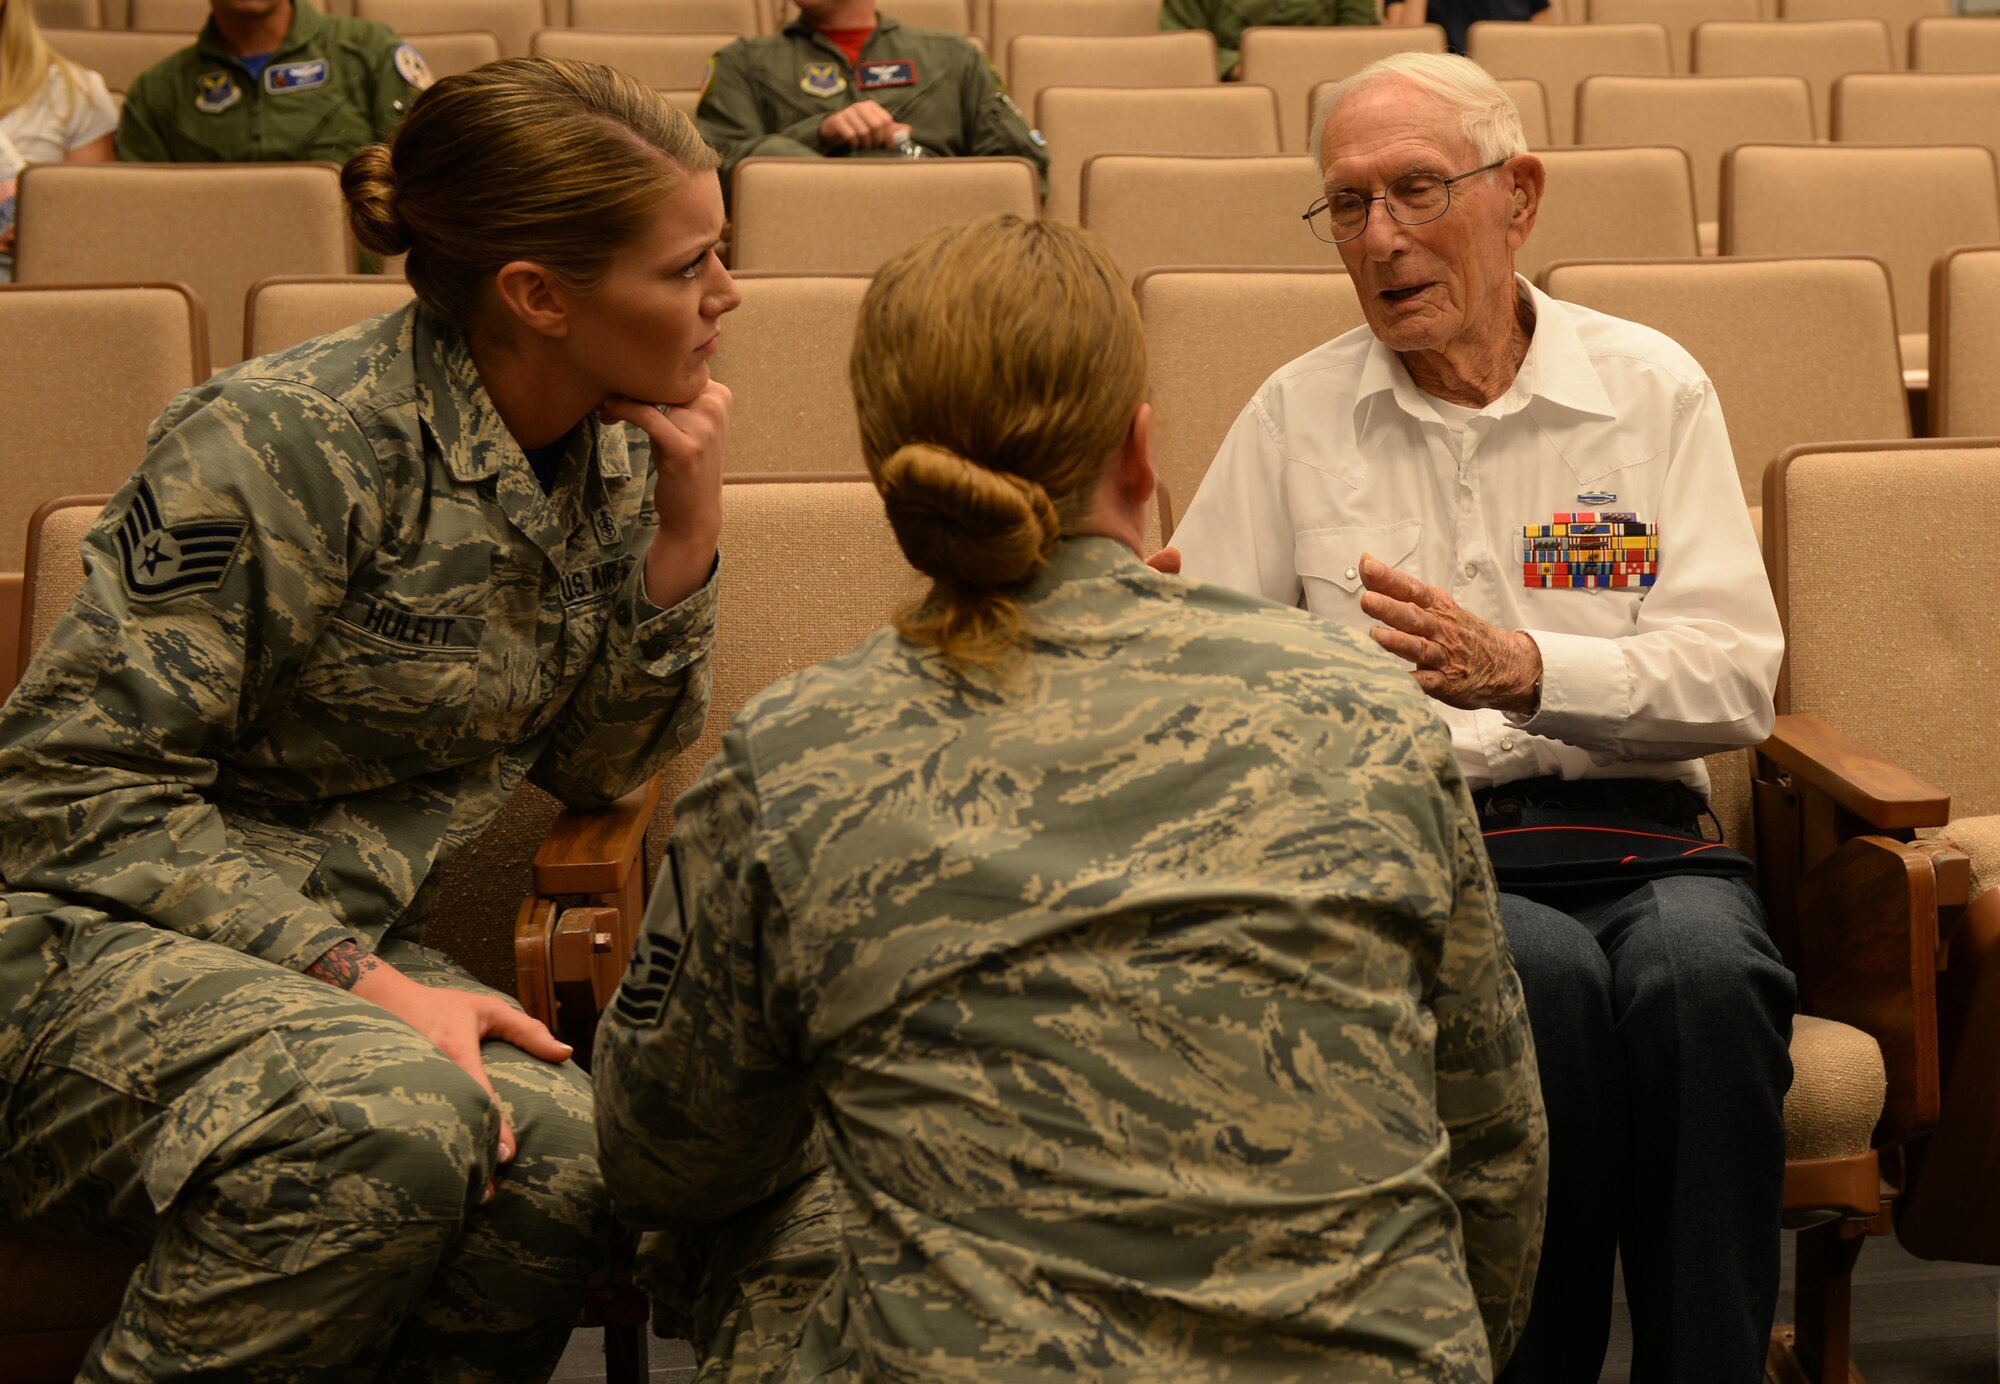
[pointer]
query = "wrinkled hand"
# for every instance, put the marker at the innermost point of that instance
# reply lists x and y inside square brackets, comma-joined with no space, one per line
[865,125]
[1460,659]
[1166,560]
[688,446]
[456,1022]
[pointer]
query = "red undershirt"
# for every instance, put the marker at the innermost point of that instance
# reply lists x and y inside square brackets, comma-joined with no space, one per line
[849,41]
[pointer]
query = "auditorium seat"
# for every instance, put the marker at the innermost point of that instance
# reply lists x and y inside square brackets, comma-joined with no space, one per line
[1963,43]
[1628,203]
[279,313]
[447,55]
[168,16]
[68,14]
[1918,108]
[1293,60]
[1229,209]
[846,216]
[1836,377]
[1678,16]
[1819,51]
[215,227]
[1213,336]
[686,102]
[783,355]
[667,62]
[1965,343]
[513,22]
[1179,59]
[1905,205]
[1704,115]
[1531,102]
[117,55]
[1561,55]
[1012,18]
[1899,15]
[737,17]
[1079,122]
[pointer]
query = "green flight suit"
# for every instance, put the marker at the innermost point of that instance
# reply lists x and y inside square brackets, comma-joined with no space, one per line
[1227,19]
[767,96]
[333,86]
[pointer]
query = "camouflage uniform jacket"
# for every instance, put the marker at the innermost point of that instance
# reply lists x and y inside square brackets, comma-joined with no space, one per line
[1227,19]
[936,83]
[1156,1015]
[327,628]
[334,85]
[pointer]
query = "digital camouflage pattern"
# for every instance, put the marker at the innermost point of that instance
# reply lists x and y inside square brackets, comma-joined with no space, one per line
[327,628]
[767,96]
[335,84]
[1155,1015]
[1227,19]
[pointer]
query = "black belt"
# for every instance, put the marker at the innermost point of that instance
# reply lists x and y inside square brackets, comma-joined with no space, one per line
[1669,802]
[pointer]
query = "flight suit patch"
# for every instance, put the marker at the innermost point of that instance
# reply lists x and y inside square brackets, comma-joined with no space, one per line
[412,68]
[822,79]
[281,77]
[158,560]
[873,76]
[216,92]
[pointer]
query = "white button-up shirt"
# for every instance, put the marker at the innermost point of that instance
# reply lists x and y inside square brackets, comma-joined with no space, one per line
[1340,454]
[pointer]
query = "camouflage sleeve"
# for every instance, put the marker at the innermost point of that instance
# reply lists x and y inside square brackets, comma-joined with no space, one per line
[998,126]
[1488,1091]
[729,117]
[1199,14]
[701,1106]
[140,137]
[210,576]
[645,696]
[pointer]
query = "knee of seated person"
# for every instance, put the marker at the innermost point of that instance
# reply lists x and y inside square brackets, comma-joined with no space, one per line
[1707,937]
[426,1151]
[1554,954]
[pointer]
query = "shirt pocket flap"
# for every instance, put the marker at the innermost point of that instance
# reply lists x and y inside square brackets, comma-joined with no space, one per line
[1334,555]
[234,1104]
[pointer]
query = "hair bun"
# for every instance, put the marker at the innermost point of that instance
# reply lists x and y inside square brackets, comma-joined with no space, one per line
[964,524]
[369,182]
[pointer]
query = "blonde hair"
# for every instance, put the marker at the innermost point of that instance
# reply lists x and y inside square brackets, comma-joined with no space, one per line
[25,58]
[997,366]
[1486,113]
[552,160]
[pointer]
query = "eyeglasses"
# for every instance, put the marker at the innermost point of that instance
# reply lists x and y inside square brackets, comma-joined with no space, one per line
[1412,199]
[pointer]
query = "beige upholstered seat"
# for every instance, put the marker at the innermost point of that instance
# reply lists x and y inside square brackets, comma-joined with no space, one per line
[168,16]
[280,313]
[845,216]
[1800,199]
[669,62]
[68,14]
[784,357]
[666,16]
[1819,51]
[1918,108]
[513,22]
[1213,336]
[1899,15]
[1679,17]
[1531,102]
[1965,343]
[1183,58]
[1229,209]
[447,55]
[117,55]
[1562,55]
[1009,19]
[1837,1090]
[54,568]
[1704,115]
[1612,204]
[686,102]
[1798,350]
[216,227]
[1080,122]
[1963,43]
[1293,60]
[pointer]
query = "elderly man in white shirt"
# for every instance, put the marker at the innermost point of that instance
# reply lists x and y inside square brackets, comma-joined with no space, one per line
[1535,507]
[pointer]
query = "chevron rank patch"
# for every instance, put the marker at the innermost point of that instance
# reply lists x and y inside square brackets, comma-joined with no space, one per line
[642,995]
[158,560]
[1584,549]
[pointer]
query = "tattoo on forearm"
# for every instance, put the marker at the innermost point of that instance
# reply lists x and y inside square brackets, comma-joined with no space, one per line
[343,965]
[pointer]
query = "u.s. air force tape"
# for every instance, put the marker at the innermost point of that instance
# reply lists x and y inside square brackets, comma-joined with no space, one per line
[158,560]
[642,995]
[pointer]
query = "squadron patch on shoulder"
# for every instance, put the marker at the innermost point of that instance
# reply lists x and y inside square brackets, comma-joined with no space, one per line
[160,560]
[412,68]
[642,995]
[822,79]
[707,80]
[216,92]
[281,77]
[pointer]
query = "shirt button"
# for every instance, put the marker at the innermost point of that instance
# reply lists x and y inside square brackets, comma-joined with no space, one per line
[1507,746]
[1471,569]
[1351,574]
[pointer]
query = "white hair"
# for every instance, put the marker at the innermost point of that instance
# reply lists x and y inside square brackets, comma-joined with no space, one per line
[1491,121]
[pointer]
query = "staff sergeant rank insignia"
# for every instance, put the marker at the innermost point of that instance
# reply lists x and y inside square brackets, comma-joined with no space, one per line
[295,76]
[822,79]
[216,92]
[159,561]
[872,76]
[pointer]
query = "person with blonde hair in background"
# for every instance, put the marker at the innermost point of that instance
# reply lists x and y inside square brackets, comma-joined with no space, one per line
[1125,943]
[51,111]
[353,596]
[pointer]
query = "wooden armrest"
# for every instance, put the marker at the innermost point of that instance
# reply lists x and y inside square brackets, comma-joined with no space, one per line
[594,851]
[1859,780]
